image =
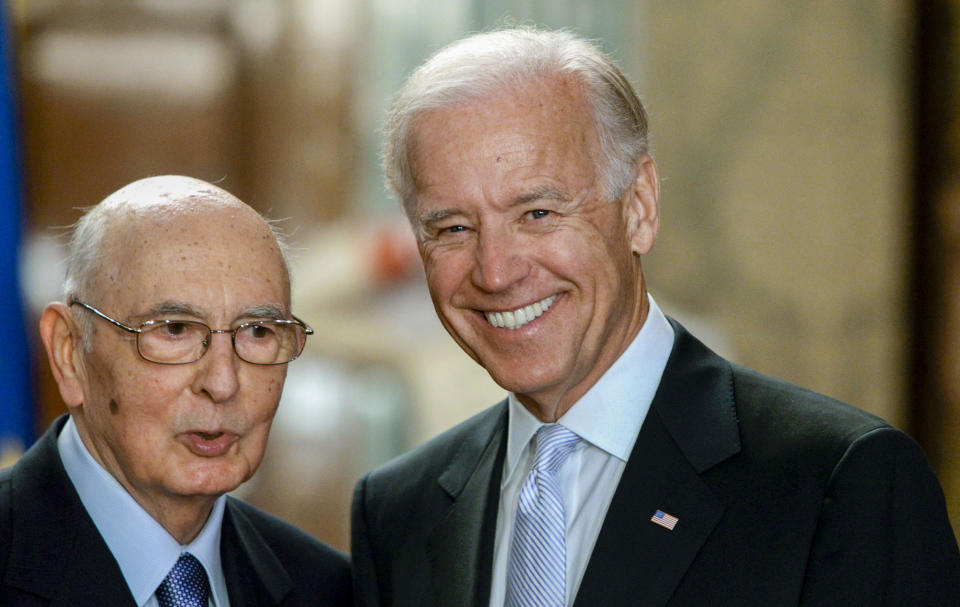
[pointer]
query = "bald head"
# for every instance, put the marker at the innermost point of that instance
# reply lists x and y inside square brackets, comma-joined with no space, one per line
[107,234]
[129,231]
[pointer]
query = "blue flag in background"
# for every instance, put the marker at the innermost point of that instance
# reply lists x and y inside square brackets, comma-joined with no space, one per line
[16,402]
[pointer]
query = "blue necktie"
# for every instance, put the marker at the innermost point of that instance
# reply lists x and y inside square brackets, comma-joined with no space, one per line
[186,585]
[537,568]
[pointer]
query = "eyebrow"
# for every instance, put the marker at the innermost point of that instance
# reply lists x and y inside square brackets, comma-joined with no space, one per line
[269,312]
[544,192]
[173,307]
[438,215]
[165,308]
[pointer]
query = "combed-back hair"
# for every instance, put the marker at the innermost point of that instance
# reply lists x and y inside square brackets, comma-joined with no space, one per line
[485,64]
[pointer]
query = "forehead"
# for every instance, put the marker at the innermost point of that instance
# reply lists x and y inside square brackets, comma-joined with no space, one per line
[216,258]
[544,126]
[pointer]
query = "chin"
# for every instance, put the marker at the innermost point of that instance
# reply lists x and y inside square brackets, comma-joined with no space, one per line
[213,480]
[525,377]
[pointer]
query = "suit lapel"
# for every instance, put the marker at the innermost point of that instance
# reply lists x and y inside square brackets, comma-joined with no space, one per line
[690,428]
[254,575]
[460,548]
[56,551]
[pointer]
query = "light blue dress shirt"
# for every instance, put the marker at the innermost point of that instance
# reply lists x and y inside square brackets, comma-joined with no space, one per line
[607,419]
[144,550]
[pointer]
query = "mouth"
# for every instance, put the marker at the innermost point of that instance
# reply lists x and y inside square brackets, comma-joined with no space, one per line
[209,444]
[514,319]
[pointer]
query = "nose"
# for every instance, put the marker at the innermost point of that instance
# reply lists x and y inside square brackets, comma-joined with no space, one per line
[500,260]
[217,375]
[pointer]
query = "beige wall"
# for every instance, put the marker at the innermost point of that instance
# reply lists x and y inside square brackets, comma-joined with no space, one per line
[780,134]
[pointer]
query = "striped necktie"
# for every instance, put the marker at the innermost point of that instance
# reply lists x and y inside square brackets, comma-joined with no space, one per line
[536,570]
[186,585]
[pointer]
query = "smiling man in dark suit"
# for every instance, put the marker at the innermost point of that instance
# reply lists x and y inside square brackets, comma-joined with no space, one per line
[170,352]
[629,465]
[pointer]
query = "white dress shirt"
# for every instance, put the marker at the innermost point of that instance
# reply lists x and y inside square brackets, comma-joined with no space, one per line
[607,419]
[145,551]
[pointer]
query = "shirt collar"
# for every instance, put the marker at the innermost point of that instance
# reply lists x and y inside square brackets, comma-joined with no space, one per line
[610,414]
[144,550]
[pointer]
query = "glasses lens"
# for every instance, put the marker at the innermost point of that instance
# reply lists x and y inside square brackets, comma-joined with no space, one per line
[270,342]
[172,341]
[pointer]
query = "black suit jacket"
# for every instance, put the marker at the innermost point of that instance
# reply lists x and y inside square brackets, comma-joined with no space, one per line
[784,497]
[51,553]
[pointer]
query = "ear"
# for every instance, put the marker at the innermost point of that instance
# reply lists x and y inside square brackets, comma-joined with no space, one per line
[642,206]
[62,341]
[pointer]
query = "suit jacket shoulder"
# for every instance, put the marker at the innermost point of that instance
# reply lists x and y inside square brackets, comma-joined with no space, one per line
[422,523]
[404,477]
[50,550]
[880,532]
[269,558]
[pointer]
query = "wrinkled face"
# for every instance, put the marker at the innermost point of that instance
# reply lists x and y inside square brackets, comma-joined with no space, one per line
[532,269]
[183,431]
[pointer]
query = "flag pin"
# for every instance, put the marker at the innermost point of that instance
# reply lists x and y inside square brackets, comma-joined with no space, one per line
[663,519]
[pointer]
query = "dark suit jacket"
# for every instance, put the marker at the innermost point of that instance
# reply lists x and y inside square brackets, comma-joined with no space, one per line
[784,497]
[51,553]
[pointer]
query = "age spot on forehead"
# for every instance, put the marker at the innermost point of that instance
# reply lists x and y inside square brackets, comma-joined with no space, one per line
[114,407]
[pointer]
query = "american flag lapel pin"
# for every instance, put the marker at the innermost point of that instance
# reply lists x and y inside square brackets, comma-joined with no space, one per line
[667,521]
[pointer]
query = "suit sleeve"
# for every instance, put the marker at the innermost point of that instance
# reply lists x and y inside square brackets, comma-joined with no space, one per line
[366,590]
[883,537]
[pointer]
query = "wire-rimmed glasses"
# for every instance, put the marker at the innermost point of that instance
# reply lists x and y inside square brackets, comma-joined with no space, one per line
[179,342]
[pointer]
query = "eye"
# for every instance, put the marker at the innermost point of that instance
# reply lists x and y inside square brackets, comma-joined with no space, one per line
[259,331]
[450,233]
[174,328]
[538,213]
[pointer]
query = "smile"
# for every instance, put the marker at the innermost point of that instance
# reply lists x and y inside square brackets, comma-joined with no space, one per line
[515,319]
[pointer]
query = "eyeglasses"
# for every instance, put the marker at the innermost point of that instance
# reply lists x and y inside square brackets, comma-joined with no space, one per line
[179,342]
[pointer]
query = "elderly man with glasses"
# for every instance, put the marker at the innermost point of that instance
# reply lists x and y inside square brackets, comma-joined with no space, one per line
[170,354]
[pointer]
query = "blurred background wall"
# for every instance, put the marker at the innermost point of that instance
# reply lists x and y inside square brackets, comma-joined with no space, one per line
[809,156]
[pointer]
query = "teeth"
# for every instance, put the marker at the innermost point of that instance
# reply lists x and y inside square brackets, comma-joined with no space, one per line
[517,318]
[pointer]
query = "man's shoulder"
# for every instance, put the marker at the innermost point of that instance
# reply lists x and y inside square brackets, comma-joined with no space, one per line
[282,537]
[319,573]
[6,491]
[804,430]
[424,462]
[6,518]
[760,397]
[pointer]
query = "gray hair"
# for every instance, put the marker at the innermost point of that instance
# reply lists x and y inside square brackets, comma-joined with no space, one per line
[85,251]
[484,64]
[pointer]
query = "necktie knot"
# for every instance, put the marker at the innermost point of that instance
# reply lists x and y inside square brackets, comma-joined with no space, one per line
[186,585]
[553,444]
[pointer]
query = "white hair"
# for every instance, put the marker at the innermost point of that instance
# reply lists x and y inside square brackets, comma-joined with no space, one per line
[485,64]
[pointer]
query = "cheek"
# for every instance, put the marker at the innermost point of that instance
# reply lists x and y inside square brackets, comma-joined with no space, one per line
[592,261]
[444,273]
[268,386]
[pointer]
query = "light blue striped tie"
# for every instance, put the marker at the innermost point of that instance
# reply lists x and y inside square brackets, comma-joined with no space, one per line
[537,569]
